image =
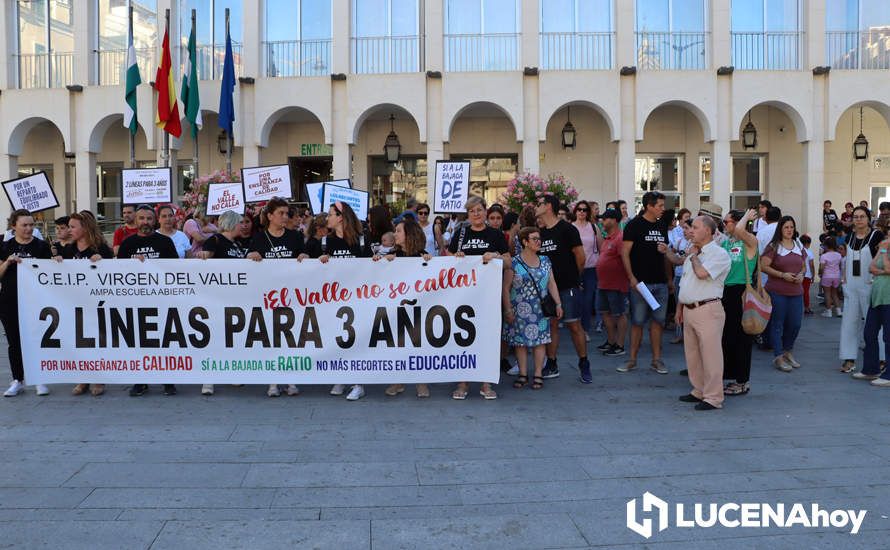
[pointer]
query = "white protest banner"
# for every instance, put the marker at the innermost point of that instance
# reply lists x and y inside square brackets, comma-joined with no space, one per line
[225,196]
[350,321]
[146,185]
[355,198]
[265,182]
[316,193]
[33,193]
[452,186]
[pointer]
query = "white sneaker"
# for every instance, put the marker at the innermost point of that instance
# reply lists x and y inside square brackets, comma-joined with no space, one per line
[883,382]
[273,390]
[207,389]
[42,390]
[587,337]
[826,313]
[839,311]
[293,390]
[356,393]
[14,389]
[338,389]
[514,371]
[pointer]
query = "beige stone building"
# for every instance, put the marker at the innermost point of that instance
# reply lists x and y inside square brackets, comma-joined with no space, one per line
[658,93]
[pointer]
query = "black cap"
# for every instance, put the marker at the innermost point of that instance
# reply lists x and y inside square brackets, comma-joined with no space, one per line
[611,213]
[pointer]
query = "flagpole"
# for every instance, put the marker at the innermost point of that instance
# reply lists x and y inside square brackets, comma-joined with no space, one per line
[131,140]
[166,154]
[229,142]
[194,133]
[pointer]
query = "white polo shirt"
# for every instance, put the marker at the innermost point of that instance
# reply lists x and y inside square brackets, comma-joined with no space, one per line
[716,262]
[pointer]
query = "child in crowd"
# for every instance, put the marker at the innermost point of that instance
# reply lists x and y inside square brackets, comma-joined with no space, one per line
[808,276]
[387,243]
[830,269]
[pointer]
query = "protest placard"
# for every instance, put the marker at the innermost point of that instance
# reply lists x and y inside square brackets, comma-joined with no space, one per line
[316,193]
[452,186]
[355,198]
[146,185]
[262,183]
[33,193]
[225,196]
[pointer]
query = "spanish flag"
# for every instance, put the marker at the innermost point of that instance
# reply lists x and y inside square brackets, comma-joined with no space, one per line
[167,117]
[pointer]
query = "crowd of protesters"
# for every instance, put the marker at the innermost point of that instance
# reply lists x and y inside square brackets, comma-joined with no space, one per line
[571,267]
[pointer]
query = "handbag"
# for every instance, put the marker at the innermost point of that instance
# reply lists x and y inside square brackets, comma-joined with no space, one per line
[548,304]
[757,307]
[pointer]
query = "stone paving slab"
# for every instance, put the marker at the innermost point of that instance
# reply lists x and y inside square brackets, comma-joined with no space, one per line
[79,535]
[213,535]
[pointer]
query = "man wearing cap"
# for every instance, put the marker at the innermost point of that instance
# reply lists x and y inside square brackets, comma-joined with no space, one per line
[612,285]
[700,310]
[147,244]
[715,212]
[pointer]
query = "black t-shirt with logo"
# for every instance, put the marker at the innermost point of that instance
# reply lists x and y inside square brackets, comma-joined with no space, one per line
[9,284]
[288,245]
[829,218]
[222,247]
[152,247]
[477,243]
[336,247]
[71,252]
[646,261]
[557,243]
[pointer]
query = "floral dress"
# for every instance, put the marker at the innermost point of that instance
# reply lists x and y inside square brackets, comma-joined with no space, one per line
[530,328]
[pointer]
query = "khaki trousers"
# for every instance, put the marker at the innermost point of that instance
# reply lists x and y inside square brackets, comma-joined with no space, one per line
[702,343]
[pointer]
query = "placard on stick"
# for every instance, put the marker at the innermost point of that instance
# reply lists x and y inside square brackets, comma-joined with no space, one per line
[222,197]
[355,198]
[33,193]
[146,185]
[316,193]
[262,183]
[452,186]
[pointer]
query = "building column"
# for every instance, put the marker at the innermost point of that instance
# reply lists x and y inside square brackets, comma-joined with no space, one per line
[529,39]
[8,37]
[435,147]
[625,39]
[433,42]
[814,157]
[9,169]
[253,51]
[721,27]
[340,37]
[627,145]
[84,58]
[251,155]
[85,190]
[721,173]
[531,147]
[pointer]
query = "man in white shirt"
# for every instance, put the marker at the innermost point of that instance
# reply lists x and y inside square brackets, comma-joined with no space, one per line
[701,312]
[765,235]
[760,222]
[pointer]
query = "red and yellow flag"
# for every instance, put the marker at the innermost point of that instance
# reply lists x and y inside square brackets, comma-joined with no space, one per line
[167,117]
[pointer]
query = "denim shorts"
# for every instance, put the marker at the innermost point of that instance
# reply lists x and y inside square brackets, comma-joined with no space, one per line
[611,301]
[640,312]
[572,300]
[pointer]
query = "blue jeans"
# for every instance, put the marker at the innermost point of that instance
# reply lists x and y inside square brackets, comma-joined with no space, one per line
[878,317]
[784,324]
[588,298]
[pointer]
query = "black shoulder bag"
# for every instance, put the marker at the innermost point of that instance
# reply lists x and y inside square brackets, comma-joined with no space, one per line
[548,304]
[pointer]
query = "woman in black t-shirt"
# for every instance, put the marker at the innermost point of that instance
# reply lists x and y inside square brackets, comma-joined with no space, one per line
[410,243]
[277,242]
[225,245]
[344,240]
[22,245]
[477,239]
[88,244]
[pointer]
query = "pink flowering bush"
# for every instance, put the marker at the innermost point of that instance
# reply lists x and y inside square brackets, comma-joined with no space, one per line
[195,197]
[527,188]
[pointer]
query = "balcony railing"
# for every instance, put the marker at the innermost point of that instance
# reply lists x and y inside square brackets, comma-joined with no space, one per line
[298,58]
[210,59]
[481,52]
[672,51]
[113,65]
[46,70]
[858,50]
[386,54]
[766,51]
[567,51]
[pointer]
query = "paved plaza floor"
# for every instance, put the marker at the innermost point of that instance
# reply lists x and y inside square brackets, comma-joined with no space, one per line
[547,469]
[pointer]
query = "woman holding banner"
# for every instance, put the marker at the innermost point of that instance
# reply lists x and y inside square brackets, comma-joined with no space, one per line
[88,244]
[167,223]
[345,239]
[475,238]
[276,241]
[410,243]
[22,245]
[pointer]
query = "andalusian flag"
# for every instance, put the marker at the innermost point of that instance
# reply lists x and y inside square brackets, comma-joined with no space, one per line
[133,81]
[167,117]
[191,103]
